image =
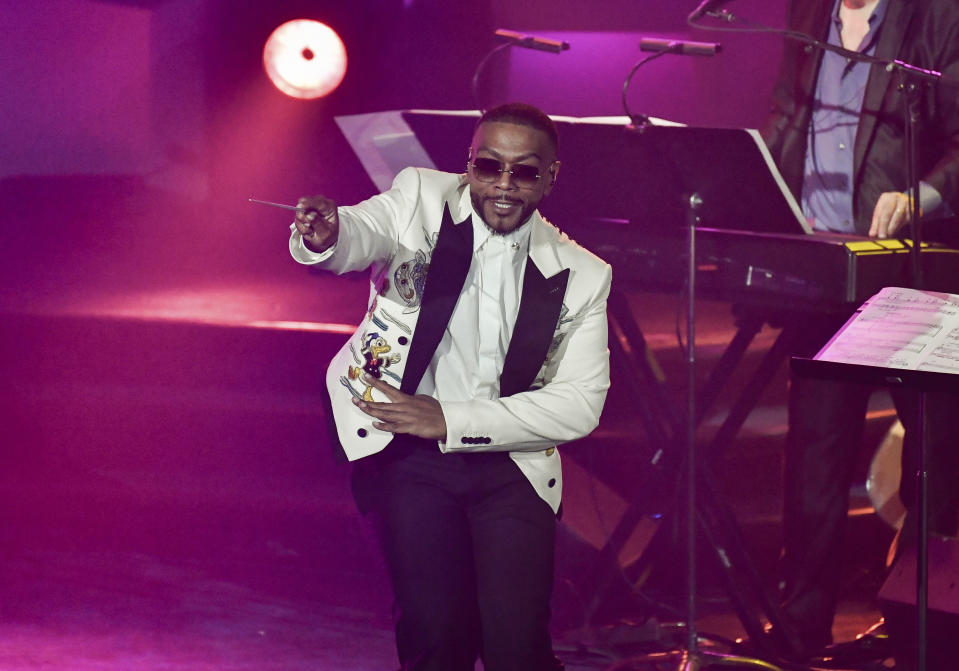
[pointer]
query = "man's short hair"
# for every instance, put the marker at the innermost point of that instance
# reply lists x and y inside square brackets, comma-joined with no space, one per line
[522,114]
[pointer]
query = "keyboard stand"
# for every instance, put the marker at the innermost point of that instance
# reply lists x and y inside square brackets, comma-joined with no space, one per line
[662,477]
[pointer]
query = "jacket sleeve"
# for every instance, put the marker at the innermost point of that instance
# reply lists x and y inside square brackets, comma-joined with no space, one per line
[789,109]
[368,232]
[782,109]
[566,407]
[942,29]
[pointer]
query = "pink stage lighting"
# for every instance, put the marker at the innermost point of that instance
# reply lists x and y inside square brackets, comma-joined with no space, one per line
[305,59]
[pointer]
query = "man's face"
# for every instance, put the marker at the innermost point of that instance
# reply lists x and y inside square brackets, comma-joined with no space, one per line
[505,203]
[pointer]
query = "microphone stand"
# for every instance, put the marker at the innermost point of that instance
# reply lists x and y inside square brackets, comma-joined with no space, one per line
[690,658]
[912,81]
[912,91]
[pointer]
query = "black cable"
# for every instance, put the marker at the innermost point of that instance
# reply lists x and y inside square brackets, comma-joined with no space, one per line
[642,119]
[479,69]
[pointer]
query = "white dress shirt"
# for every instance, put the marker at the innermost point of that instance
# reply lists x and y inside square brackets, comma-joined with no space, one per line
[470,357]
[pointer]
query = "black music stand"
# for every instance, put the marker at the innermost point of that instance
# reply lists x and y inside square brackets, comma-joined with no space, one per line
[612,173]
[921,382]
[704,170]
[683,178]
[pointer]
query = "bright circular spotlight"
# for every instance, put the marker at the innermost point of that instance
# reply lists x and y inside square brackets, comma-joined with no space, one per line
[305,59]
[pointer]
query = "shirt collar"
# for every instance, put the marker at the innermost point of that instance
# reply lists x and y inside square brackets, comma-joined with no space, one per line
[875,22]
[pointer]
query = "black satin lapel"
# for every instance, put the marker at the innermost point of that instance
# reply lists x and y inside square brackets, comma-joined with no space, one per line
[539,311]
[894,27]
[449,265]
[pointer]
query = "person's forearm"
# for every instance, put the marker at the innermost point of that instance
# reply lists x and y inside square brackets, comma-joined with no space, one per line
[566,407]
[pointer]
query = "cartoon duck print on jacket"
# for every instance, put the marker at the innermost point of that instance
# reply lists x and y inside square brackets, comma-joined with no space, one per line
[376,353]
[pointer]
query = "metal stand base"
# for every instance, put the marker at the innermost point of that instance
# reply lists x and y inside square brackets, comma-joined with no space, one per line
[685,660]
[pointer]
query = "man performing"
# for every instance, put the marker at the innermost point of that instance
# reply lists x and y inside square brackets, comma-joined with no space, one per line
[483,347]
[837,133]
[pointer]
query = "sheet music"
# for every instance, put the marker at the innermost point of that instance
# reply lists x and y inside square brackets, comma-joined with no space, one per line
[901,328]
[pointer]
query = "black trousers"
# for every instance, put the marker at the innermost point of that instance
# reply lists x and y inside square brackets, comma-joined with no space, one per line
[826,421]
[469,547]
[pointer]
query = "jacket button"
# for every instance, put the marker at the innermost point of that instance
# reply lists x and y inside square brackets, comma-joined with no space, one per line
[487,441]
[466,440]
[361,433]
[549,452]
[551,483]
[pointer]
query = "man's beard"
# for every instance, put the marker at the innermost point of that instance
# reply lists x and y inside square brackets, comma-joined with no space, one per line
[525,215]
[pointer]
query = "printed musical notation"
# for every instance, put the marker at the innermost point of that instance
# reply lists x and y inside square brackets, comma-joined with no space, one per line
[901,328]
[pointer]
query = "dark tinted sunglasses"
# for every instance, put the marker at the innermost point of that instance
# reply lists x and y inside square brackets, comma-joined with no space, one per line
[489,170]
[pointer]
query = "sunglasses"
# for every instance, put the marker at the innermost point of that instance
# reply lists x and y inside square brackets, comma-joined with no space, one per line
[490,170]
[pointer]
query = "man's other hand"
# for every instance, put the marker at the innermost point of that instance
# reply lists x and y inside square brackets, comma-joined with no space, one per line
[418,415]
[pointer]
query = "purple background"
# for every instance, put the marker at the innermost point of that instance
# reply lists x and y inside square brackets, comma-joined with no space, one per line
[172,91]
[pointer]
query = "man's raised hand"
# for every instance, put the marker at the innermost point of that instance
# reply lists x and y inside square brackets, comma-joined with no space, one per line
[318,222]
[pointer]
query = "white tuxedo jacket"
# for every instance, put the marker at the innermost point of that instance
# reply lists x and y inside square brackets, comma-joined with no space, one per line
[417,240]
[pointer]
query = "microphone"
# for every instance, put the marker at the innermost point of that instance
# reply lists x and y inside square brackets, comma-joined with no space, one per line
[706,7]
[680,46]
[530,41]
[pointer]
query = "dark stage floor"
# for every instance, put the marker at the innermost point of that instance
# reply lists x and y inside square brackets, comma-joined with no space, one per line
[169,501]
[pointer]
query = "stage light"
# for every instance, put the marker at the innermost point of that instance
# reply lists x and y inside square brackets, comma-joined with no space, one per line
[305,59]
